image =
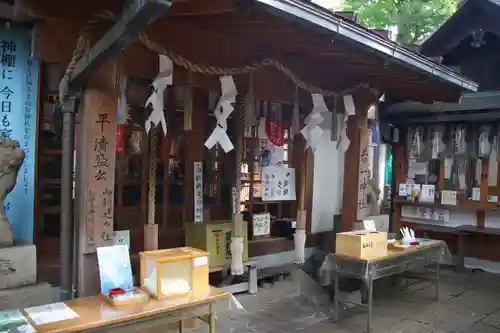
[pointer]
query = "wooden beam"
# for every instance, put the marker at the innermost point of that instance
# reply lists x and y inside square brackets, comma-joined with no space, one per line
[138,15]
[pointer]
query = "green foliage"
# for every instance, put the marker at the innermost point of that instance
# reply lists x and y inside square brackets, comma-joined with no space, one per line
[415,19]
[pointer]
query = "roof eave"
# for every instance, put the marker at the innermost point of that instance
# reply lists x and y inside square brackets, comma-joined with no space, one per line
[350,32]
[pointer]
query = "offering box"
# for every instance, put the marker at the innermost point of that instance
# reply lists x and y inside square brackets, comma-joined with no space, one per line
[361,244]
[174,272]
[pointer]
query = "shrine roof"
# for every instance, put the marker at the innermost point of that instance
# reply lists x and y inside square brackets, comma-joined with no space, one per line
[469,17]
[326,49]
[367,39]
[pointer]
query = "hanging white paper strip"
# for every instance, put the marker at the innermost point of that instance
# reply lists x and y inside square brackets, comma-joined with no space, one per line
[222,111]
[162,80]
[122,101]
[198,192]
[350,110]
[349,105]
[317,122]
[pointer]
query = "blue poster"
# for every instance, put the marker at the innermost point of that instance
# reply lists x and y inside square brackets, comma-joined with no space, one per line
[18,121]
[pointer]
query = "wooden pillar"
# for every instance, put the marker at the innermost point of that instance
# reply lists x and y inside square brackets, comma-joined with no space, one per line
[194,148]
[357,132]
[95,174]
[400,172]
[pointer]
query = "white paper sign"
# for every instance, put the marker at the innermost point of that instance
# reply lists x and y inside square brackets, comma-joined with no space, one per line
[449,198]
[121,237]
[428,193]
[476,194]
[233,199]
[50,313]
[198,192]
[261,224]
[278,184]
[402,190]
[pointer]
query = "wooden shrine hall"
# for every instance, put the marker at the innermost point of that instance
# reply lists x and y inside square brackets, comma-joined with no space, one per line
[278,53]
[468,42]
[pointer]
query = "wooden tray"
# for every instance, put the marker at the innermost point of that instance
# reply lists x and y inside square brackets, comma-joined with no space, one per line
[396,246]
[140,296]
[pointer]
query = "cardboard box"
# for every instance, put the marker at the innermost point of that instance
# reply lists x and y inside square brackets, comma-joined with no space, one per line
[362,244]
[215,238]
[17,266]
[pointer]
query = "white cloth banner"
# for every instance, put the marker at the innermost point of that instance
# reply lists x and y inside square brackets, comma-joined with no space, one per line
[222,111]
[160,83]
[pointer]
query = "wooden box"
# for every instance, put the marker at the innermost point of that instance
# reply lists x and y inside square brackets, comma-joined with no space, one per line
[17,266]
[174,272]
[214,238]
[362,244]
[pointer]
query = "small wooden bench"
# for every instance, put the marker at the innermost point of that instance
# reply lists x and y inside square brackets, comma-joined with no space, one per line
[250,273]
[464,231]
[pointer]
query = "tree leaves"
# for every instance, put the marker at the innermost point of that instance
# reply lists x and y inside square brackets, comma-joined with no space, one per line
[414,19]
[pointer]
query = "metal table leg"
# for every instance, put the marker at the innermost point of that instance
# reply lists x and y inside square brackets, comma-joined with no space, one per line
[369,283]
[335,296]
[462,240]
[438,268]
[211,321]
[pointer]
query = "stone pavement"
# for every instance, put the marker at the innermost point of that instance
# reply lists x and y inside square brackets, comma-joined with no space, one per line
[469,303]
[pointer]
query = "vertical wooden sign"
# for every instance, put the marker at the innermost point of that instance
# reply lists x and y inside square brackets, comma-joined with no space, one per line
[363,208]
[198,192]
[100,147]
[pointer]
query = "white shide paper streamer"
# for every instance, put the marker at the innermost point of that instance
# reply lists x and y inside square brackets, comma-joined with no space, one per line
[350,110]
[160,83]
[300,244]
[222,111]
[237,255]
[317,122]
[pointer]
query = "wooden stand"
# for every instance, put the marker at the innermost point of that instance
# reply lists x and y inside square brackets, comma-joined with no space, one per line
[139,296]
[150,237]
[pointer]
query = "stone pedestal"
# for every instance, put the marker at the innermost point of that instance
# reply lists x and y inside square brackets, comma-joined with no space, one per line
[17,266]
[5,235]
[27,296]
[18,279]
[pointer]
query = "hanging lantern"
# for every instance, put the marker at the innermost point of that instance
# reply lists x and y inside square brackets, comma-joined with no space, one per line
[415,142]
[458,140]
[436,141]
[484,141]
